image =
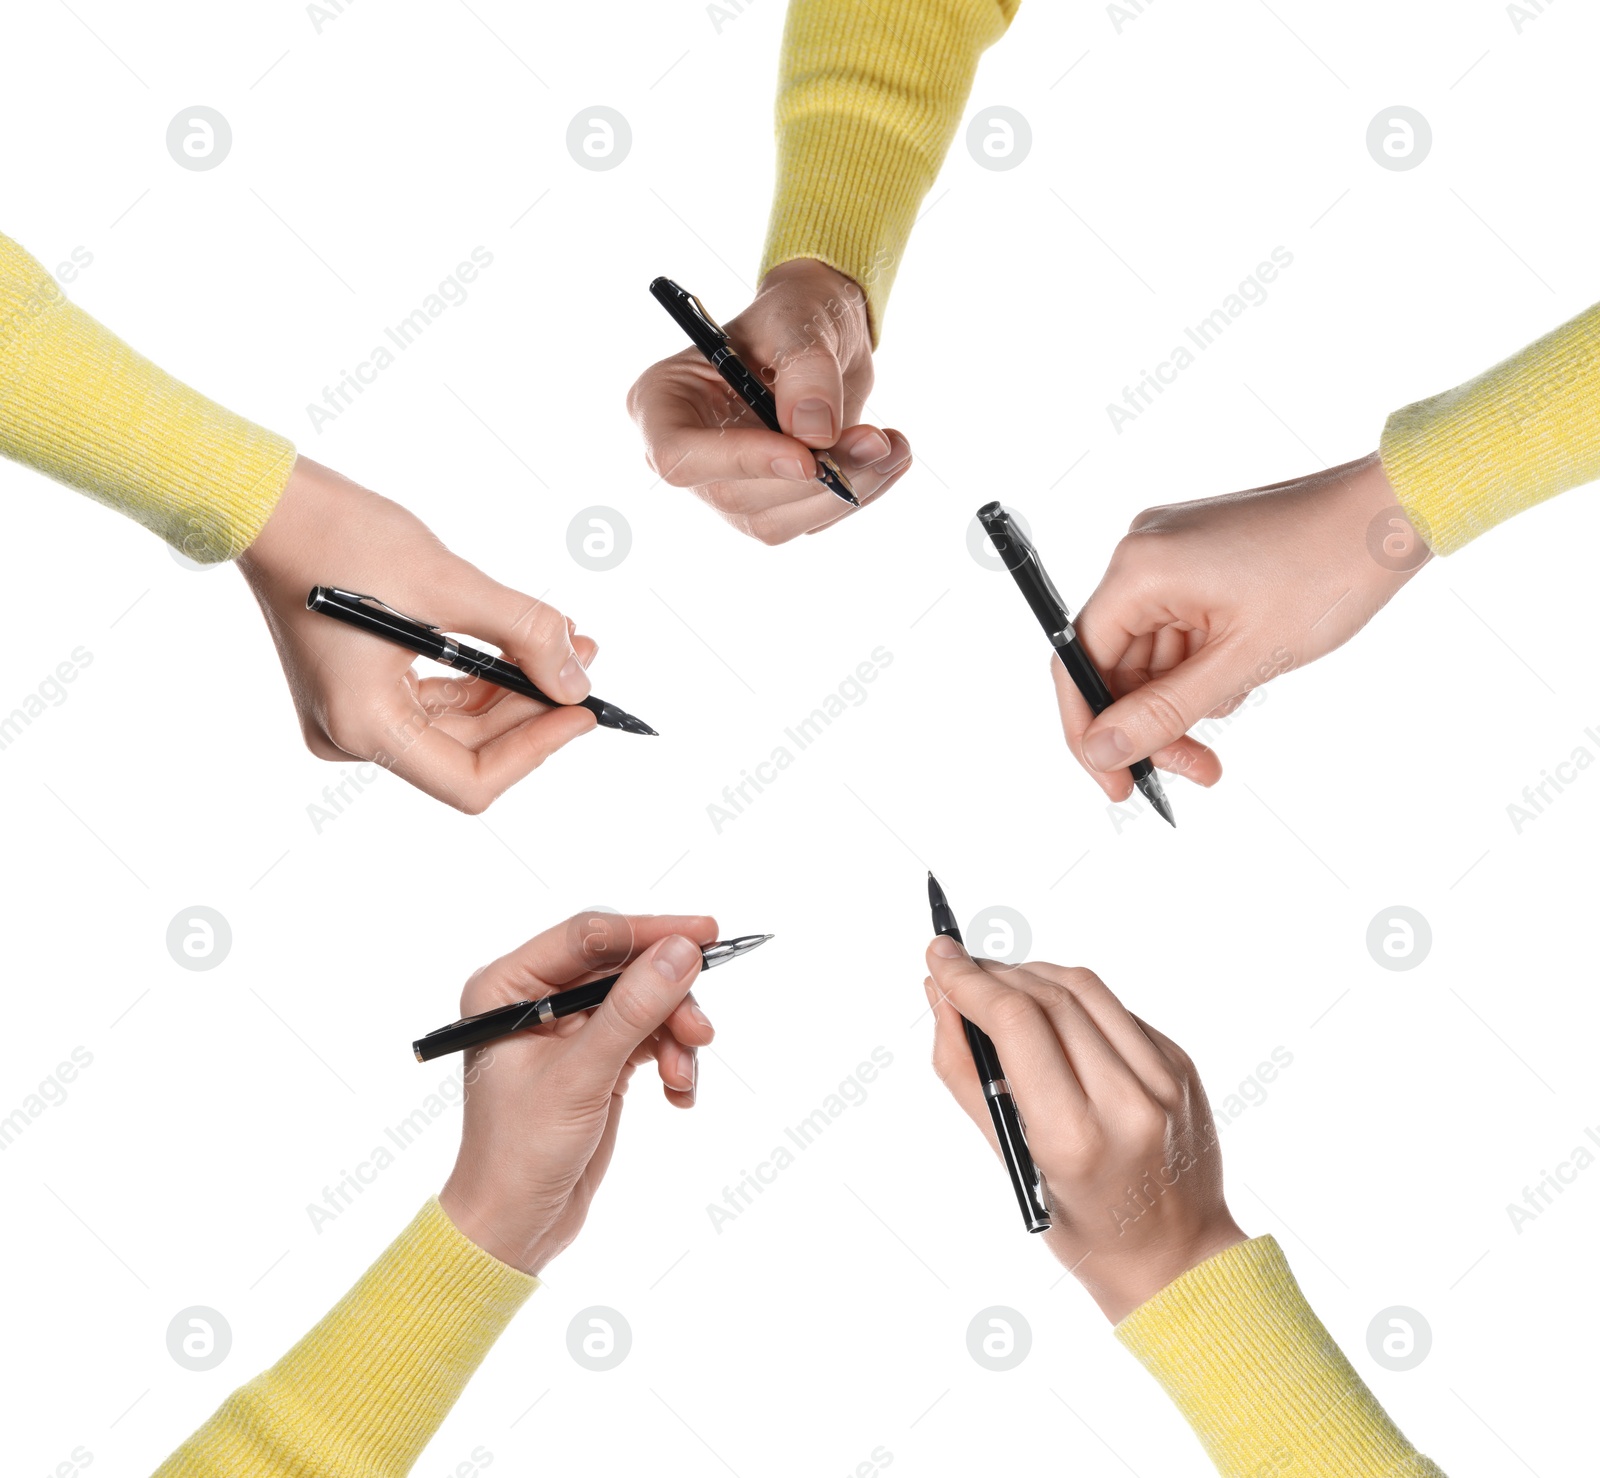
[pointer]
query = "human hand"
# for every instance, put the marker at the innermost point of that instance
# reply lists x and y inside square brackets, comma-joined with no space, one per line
[461,740]
[1117,1120]
[1205,601]
[807,335]
[542,1106]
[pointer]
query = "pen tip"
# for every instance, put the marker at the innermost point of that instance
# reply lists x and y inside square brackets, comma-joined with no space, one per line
[627,722]
[1151,789]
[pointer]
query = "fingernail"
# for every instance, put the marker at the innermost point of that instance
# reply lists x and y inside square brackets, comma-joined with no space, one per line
[1108,749]
[928,990]
[698,1015]
[674,956]
[686,1075]
[813,419]
[573,678]
[790,469]
[871,447]
[945,946]
[694,1076]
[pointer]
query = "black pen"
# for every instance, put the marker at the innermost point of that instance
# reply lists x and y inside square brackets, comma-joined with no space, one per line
[1022,559]
[368,613]
[711,339]
[490,1026]
[1025,1177]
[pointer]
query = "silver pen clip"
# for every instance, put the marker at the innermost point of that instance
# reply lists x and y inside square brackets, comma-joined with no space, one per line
[372,600]
[699,309]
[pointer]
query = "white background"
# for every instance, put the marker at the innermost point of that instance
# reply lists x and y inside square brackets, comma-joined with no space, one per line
[829,1320]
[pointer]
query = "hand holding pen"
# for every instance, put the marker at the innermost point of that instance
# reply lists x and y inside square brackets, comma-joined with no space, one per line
[543,1107]
[463,742]
[1073,661]
[1005,1120]
[805,338]
[1203,602]
[1117,1119]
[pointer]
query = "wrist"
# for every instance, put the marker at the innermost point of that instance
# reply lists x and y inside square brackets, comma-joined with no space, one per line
[288,527]
[1119,1282]
[510,1233]
[1393,545]
[834,293]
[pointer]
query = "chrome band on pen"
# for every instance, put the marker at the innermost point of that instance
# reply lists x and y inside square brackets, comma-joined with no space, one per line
[997,1089]
[547,1013]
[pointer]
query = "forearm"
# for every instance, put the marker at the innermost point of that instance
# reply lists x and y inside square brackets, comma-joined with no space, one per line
[1246,1360]
[1524,431]
[85,409]
[363,1393]
[869,97]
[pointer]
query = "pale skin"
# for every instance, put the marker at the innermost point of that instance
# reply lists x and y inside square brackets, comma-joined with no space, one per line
[461,741]
[1205,601]
[807,334]
[543,1106]
[1116,1116]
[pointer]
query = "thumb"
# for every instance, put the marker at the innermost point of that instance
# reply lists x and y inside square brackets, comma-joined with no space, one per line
[1163,710]
[531,632]
[809,391]
[650,990]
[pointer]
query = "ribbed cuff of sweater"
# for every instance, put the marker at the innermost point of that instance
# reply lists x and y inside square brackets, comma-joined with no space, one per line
[1521,432]
[364,1392]
[868,100]
[83,408]
[1248,1363]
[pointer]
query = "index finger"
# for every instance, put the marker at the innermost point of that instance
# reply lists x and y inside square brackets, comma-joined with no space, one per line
[1034,1059]
[670,405]
[592,943]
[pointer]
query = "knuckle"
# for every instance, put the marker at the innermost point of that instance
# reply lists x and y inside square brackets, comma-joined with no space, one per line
[671,464]
[344,734]
[544,625]
[1162,708]
[1146,518]
[638,391]
[1145,1123]
[1012,1011]
[1084,982]
[770,531]
[474,799]
[633,1009]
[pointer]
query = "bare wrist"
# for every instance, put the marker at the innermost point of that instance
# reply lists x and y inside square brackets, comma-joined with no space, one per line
[479,1218]
[838,294]
[1395,547]
[1120,1284]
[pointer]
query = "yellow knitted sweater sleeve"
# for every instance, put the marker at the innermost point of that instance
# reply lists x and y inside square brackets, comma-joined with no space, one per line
[868,100]
[1246,1360]
[82,407]
[1520,433]
[362,1394]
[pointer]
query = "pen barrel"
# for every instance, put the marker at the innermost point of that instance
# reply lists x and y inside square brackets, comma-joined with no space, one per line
[412,637]
[983,1053]
[582,997]
[1085,676]
[1008,1129]
[748,387]
[470,662]
[487,1026]
[1025,1178]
